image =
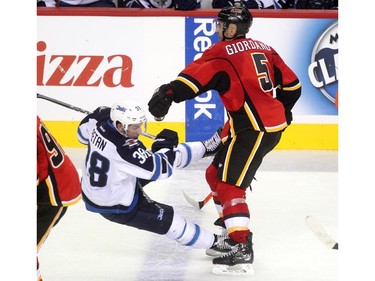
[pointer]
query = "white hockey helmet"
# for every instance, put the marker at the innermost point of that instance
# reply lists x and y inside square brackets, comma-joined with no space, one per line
[128,113]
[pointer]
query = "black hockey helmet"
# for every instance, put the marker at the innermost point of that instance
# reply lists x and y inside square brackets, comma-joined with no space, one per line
[238,15]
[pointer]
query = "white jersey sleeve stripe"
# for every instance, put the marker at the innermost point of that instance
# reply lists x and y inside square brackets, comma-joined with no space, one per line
[157,169]
[81,138]
[188,151]
[161,163]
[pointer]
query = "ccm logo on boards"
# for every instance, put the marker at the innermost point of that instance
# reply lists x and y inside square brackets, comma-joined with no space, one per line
[323,70]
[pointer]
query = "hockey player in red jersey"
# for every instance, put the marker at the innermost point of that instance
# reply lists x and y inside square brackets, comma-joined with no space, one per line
[258,90]
[58,184]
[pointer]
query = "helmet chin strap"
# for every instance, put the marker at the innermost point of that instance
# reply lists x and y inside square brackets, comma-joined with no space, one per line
[122,132]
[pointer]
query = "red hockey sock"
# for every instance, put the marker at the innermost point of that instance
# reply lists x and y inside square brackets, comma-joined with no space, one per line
[240,236]
[235,211]
[212,181]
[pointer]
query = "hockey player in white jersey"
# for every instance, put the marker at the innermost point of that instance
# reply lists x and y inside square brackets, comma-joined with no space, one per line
[118,165]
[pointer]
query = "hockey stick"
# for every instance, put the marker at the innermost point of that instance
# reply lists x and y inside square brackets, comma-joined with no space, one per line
[197,204]
[320,232]
[63,104]
[40,96]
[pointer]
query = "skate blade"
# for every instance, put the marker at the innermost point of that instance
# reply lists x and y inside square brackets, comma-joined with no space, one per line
[238,269]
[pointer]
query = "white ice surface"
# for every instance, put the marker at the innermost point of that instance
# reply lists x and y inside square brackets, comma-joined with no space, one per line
[290,185]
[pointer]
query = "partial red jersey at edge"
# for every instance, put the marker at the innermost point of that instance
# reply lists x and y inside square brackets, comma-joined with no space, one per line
[56,168]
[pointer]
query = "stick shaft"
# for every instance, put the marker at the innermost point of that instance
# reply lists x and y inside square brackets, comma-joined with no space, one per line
[205,200]
[145,134]
[63,104]
[76,108]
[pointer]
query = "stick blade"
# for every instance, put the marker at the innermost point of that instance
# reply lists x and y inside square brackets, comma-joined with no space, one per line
[320,232]
[191,201]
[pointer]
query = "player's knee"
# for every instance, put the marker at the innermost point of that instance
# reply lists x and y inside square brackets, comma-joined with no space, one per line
[211,177]
[227,192]
[232,198]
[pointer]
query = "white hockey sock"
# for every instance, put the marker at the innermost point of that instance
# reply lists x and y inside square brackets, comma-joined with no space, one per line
[189,234]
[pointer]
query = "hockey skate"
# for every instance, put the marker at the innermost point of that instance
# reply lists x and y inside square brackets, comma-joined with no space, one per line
[238,261]
[213,143]
[222,246]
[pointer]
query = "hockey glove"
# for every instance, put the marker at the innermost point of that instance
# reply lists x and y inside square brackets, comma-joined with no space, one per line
[165,139]
[212,145]
[160,102]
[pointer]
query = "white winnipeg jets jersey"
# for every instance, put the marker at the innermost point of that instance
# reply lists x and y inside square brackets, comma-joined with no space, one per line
[115,164]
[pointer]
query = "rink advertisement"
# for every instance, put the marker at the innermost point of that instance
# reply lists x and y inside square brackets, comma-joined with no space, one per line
[205,113]
[95,61]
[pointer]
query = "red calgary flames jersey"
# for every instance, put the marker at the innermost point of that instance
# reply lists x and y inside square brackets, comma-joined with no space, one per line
[55,167]
[254,83]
